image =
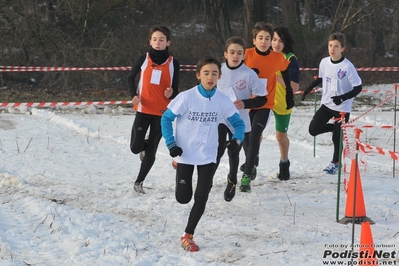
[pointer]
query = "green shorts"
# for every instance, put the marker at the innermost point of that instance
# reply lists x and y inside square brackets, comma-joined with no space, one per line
[282,122]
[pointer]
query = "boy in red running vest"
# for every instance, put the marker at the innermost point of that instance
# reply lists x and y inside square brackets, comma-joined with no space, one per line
[158,84]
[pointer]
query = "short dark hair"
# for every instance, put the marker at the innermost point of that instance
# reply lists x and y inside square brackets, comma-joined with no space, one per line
[235,40]
[162,29]
[207,60]
[259,26]
[339,36]
[287,39]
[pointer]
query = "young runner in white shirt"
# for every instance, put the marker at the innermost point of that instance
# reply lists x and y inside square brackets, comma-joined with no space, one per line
[198,113]
[246,91]
[341,84]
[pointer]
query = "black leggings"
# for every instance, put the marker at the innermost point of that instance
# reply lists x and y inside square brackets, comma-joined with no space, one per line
[320,125]
[234,156]
[184,190]
[138,143]
[259,120]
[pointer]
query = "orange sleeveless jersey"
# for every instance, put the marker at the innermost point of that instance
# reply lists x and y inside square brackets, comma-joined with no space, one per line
[153,100]
[267,65]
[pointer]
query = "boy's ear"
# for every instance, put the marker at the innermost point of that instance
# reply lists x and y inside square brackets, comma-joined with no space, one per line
[168,43]
[198,76]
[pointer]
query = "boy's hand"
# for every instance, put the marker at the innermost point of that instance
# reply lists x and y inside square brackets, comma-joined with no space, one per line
[136,99]
[174,150]
[239,104]
[289,99]
[338,99]
[232,144]
[168,92]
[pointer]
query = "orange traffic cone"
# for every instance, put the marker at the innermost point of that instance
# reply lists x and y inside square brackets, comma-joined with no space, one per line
[366,248]
[355,209]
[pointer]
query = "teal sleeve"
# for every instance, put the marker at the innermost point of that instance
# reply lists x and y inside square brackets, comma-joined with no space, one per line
[239,126]
[167,127]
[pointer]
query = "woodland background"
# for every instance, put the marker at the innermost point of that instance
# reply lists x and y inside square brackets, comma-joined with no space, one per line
[99,33]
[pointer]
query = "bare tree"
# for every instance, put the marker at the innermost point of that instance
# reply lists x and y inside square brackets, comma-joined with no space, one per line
[393,41]
[218,20]
[254,11]
[290,13]
[347,13]
[249,20]
[310,10]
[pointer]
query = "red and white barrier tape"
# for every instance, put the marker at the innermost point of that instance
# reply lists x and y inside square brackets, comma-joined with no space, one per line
[188,66]
[53,104]
[378,91]
[370,110]
[373,126]
[379,69]
[363,91]
[56,69]
[184,67]
[347,152]
[379,150]
[312,91]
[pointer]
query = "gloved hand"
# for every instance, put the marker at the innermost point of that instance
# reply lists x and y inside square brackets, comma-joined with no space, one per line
[289,99]
[338,99]
[174,150]
[306,92]
[232,144]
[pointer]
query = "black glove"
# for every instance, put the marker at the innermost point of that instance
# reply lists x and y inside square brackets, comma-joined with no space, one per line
[289,99]
[174,150]
[232,144]
[338,99]
[306,92]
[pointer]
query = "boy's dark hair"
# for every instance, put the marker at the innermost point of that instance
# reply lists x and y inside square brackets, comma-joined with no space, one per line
[287,39]
[235,40]
[162,29]
[259,26]
[339,37]
[206,61]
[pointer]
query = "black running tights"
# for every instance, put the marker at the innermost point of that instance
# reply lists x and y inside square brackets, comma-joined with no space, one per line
[138,144]
[320,125]
[184,190]
[259,120]
[234,156]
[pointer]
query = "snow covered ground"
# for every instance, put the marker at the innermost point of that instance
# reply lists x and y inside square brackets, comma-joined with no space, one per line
[66,196]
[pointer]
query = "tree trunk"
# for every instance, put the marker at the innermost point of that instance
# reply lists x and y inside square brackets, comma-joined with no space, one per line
[309,7]
[394,39]
[50,11]
[220,20]
[290,13]
[248,19]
